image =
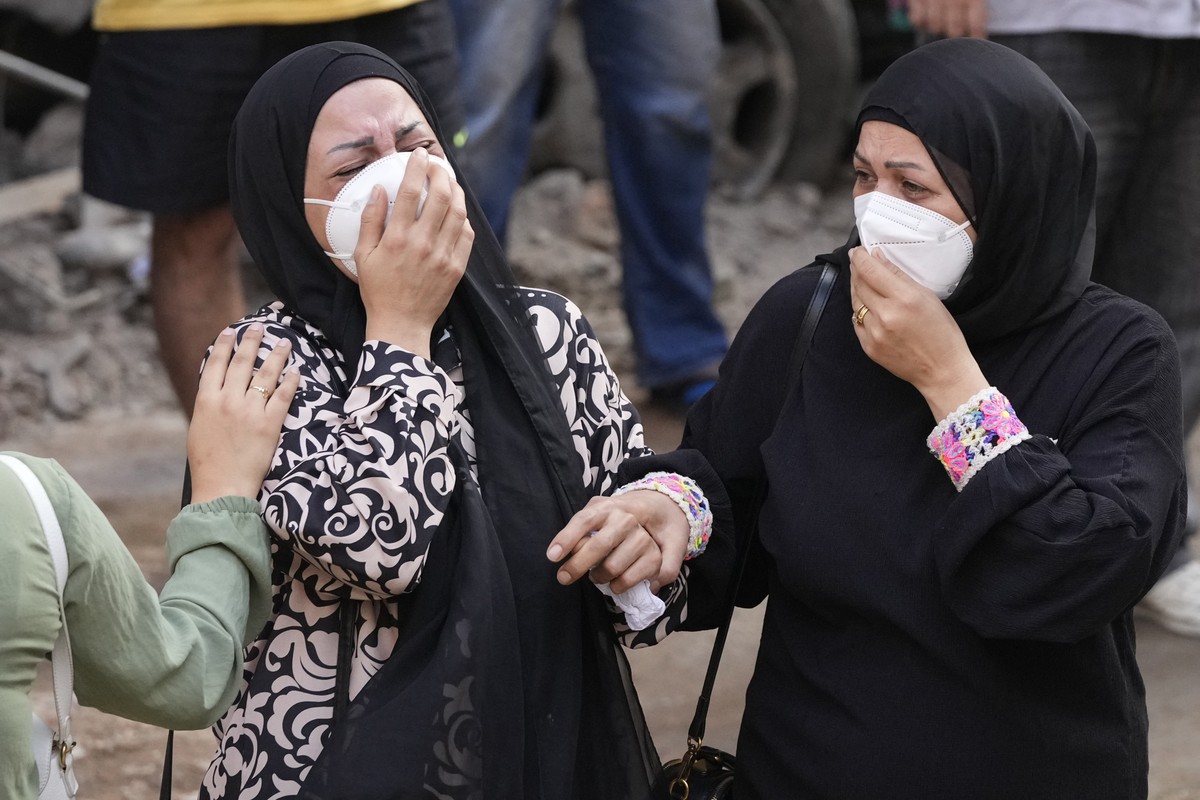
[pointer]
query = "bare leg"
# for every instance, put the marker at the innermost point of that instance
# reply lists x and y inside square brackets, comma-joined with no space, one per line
[195,289]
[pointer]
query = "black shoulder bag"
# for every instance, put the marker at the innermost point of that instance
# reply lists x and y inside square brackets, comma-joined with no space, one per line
[706,773]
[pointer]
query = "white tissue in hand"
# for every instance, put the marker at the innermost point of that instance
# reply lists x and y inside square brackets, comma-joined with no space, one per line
[641,606]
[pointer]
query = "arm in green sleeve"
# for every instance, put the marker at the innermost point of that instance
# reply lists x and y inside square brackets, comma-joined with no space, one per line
[174,661]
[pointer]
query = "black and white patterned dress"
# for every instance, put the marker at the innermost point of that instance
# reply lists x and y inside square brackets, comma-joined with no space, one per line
[357,489]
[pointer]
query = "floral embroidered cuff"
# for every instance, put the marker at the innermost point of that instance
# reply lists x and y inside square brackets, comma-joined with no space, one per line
[688,497]
[978,431]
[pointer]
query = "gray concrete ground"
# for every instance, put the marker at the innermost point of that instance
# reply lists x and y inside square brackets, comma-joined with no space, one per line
[133,467]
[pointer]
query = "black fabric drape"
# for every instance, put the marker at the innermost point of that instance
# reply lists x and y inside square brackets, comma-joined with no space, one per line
[504,684]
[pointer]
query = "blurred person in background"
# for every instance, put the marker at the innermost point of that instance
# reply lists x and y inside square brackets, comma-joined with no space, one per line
[654,65]
[168,79]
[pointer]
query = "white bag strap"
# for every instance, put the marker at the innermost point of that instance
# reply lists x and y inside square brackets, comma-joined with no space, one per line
[60,657]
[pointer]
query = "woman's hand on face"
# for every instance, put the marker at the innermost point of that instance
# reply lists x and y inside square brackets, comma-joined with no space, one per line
[239,412]
[623,540]
[408,268]
[908,331]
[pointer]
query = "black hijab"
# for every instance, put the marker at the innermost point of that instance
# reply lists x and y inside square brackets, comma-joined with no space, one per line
[503,684]
[1022,164]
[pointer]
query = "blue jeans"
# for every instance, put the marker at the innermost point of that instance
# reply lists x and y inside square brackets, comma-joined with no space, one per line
[1141,98]
[653,61]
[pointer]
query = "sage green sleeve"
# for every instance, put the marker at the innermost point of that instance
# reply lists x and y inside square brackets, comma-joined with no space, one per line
[173,660]
[29,623]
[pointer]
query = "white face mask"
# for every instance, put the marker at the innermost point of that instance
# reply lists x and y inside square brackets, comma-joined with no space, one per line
[932,250]
[345,210]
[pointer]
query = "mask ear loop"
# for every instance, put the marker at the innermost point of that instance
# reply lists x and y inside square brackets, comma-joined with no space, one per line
[955,231]
[345,258]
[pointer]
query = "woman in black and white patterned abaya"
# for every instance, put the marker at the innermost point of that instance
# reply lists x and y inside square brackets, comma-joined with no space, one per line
[448,425]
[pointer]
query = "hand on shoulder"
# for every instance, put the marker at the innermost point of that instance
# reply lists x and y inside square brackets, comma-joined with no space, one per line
[238,416]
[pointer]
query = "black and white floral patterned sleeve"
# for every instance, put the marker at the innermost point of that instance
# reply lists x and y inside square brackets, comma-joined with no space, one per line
[360,481]
[605,426]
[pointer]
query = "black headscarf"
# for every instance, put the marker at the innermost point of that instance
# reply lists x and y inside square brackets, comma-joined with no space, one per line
[992,120]
[503,684]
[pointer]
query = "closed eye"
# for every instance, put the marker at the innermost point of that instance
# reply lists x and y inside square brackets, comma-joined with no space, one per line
[346,173]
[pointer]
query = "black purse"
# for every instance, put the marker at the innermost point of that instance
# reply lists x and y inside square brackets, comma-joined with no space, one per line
[706,773]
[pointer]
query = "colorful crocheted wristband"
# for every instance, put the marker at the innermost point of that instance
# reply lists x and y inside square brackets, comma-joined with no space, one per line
[978,431]
[688,497]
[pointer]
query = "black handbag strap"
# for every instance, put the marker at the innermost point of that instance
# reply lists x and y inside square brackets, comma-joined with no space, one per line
[812,316]
[164,787]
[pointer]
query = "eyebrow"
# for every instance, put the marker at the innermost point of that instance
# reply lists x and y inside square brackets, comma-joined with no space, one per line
[893,164]
[367,141]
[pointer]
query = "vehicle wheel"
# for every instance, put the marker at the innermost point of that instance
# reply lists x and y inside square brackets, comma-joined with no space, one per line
[786,85]
[785,88]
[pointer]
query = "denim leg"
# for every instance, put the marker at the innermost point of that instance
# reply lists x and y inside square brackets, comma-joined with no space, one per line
[1155,230]
[1141,99]
[502,45]
[654,63]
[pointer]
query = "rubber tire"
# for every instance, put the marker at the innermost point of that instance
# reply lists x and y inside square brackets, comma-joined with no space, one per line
[822,40]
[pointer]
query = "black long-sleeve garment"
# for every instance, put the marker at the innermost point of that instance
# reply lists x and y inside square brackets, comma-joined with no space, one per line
[919,642]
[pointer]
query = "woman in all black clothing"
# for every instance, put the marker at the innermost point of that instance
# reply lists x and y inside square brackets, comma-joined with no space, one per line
[980,471]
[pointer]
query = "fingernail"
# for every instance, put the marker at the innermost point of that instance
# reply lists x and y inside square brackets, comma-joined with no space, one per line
[554,553]
[284,344]
[256,326]
[564,577]
[226,334]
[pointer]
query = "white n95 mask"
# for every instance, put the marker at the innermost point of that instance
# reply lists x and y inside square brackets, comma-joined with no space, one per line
[345,210]
[932,250]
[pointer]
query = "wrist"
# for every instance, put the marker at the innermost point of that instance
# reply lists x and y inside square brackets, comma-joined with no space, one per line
[203,492]
[413,338]
[686,495]
[947,393]
[979,430]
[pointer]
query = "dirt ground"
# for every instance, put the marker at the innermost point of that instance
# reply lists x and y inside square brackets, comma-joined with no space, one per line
[126,447]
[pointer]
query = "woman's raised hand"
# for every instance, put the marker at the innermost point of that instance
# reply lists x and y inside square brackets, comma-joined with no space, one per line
[909,332]
[239,412]
[407,270]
